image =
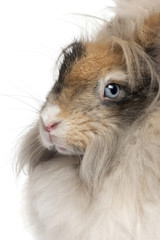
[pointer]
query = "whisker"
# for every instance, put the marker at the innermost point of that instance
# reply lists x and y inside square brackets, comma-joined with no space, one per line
[16,95]
[23,88]
[15,98]
[90,16]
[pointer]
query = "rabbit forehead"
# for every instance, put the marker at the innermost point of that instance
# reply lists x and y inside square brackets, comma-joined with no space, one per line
[98,60]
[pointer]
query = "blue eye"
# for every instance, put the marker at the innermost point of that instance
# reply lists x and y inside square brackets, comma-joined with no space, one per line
[112,91]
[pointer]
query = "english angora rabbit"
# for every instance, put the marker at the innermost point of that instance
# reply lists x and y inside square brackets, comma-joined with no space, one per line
[94,153]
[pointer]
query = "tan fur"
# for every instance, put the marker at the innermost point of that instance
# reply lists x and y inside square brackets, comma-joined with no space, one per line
[146,34]
[100,59]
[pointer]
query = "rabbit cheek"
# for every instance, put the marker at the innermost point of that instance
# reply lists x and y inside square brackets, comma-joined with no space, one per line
[78,136]
[77,143]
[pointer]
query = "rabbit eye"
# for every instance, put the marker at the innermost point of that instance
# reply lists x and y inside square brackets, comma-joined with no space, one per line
[112,91]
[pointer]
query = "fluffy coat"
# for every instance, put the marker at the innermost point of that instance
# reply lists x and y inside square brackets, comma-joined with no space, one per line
[94,162]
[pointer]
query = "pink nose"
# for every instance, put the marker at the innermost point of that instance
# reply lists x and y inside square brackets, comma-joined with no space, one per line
[52,126]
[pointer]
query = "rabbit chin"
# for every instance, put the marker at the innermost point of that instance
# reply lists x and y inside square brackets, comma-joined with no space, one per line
[64,151]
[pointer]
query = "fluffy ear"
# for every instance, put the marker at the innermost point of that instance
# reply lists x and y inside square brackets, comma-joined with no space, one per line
[147,36]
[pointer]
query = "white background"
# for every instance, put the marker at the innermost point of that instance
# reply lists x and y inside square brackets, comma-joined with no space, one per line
[32,34]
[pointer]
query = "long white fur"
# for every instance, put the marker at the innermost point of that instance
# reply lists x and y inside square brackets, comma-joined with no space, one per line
[136,8]
[126,207]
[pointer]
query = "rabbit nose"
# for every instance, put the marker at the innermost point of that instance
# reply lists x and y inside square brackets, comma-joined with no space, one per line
[52,126]
[49,117]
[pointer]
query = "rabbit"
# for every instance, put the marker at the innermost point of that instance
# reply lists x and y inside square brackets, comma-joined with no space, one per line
[93,155]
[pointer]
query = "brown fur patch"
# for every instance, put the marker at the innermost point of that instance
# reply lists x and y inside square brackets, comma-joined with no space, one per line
[100,58]
[146,34]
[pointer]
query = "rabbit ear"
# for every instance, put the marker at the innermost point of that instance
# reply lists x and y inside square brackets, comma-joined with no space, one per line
[147,36]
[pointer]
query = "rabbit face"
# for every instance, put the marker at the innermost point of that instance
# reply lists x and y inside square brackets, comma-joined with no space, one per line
[93,96]
[75,109]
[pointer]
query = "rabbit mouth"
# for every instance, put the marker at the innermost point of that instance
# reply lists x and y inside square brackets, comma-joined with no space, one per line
[57,133]
[51,141]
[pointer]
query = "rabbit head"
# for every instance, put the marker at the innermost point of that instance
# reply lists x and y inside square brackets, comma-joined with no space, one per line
[83,102]
[106,89]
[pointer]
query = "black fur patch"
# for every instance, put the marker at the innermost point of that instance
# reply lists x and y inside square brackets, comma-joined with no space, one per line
[133,106]
[70,55]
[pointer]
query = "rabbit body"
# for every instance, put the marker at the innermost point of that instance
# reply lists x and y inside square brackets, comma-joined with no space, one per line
[126,207]
[94,153]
